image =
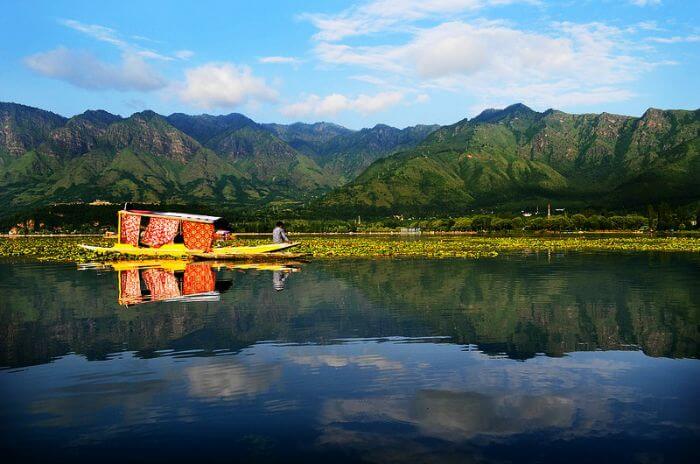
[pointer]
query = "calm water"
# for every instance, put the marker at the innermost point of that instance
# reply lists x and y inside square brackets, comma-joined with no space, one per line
[515,359]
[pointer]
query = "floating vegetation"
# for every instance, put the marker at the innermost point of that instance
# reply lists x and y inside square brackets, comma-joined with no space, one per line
[479,247]
[65,249]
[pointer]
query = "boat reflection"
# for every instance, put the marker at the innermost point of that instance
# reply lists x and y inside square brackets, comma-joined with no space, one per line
[176,280]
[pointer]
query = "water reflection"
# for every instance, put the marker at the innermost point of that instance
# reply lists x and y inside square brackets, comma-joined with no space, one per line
[176,280]
[516,307]
[516,359]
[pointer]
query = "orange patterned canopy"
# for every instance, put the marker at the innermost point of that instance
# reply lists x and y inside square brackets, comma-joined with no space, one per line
[197,235]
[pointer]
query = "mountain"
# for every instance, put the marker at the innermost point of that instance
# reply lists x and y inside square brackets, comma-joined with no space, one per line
[147,157]
[516,157]
[309,139]
[510,158]
[255,149]
[80,133]
[23,128]
[345,153]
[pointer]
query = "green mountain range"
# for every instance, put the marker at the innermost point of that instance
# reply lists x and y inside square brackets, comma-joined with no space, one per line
[46,158]
[518,158]
[512,158]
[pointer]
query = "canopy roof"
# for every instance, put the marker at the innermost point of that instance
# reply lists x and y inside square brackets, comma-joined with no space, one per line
[179,216]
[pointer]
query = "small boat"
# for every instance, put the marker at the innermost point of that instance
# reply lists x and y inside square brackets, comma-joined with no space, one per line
[197,231]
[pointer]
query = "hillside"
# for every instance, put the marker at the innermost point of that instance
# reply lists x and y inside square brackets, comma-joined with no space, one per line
[514,158]
[517,158]
[345,153]
[230,159]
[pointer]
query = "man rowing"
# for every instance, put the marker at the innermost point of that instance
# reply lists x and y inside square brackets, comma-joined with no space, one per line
[279,235]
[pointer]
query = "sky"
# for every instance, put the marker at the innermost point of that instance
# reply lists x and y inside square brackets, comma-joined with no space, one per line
[398,62]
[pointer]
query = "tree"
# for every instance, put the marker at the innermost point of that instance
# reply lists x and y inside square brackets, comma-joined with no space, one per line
[652,217]
[481,222]
[617,222]
[501,224]
[578,221]
[462,223]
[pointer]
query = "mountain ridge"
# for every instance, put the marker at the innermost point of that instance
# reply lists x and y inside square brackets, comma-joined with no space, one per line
[506,157]
[517,156]
[45,157]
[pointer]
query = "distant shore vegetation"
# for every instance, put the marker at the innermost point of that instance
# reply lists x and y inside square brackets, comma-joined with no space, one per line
[81,218]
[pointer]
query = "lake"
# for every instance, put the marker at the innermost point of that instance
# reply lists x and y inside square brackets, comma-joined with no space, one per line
[519,358]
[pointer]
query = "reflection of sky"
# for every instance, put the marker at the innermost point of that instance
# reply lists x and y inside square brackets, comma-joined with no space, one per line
[370,397]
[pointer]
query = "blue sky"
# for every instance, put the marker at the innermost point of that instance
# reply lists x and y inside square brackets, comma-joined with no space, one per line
[400,62]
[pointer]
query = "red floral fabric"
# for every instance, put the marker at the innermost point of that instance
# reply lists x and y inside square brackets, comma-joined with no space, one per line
[160,231]
[129,229]
[198,235]
[161,283]
[130,287]
[198,278]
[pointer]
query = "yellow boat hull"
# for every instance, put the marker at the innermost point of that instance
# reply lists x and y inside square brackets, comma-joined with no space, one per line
[178,250]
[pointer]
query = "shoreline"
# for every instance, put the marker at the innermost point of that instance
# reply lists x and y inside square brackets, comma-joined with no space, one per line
[403,234]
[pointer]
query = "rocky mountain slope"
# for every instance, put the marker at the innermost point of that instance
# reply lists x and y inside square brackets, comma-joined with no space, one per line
[518,157]
[345,153]
[510,158]
[47,158]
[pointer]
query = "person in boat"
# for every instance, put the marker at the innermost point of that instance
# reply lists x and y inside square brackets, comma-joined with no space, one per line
[279,235]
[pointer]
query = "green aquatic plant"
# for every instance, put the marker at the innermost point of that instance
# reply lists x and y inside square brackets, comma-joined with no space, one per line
[66,249]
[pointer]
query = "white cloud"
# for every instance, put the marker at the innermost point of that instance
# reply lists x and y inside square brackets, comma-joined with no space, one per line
[566,64]
[279,60]
[223,85]
[150,54]
[83,69]
[102,33]
[380,15]
[645,2]
[111,36]
[675,39]
[488,48]
[648,26]
[422,98]
[184,54]
[332,104]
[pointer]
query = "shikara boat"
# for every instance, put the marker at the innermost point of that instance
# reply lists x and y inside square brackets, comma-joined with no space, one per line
[197,232]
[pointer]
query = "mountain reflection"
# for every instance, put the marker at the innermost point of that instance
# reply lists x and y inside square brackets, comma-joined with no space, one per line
[511,306]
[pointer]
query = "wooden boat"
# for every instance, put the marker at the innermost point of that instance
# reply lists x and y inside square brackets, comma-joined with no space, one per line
[198,235]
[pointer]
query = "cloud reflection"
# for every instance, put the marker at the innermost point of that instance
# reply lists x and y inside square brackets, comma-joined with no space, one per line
[231,379]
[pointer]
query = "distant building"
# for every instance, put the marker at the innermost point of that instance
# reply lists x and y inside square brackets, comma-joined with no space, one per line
[99,203]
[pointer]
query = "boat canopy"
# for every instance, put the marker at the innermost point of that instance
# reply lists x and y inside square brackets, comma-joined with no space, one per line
[179,216]
[163,227]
